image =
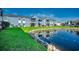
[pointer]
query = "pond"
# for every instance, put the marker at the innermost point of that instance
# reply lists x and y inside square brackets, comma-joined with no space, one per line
[64,40]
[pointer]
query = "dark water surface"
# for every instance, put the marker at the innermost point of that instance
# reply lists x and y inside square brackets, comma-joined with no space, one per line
[66,40]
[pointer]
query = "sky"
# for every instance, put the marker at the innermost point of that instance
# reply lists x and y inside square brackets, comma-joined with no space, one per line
[60,14]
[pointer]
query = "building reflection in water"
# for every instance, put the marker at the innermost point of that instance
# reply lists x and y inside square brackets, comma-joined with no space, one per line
[45,34]
[48,34]
[77,32]
[73,31]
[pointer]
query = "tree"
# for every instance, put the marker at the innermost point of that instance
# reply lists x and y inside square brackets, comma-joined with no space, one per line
[32,24]
[1,12]
[5,24]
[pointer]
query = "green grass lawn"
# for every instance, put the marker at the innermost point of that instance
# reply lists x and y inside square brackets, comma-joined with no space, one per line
[28,29]
[15,39]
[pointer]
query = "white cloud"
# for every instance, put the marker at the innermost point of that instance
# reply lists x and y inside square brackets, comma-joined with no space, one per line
[52,16]
[43,15]
[6,10]
[65,19]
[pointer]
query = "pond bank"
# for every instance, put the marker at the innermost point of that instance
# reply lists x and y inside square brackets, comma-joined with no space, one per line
[33,30]
[49,47]
[51,29]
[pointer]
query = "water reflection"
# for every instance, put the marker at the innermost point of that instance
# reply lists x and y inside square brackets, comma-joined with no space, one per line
[45,34]
[77,32]
[64,39]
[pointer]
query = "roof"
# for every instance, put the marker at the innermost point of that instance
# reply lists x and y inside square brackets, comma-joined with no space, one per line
[12,15]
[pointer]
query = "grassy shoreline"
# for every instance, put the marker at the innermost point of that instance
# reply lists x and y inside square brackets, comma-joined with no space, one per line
[28,29]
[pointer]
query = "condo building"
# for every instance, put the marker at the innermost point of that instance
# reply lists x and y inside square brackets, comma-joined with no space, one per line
[24,21]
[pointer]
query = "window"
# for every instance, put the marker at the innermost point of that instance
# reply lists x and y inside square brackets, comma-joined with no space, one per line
[33,19]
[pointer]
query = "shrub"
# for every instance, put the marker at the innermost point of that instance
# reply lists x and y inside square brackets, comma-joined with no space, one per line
[5,24]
